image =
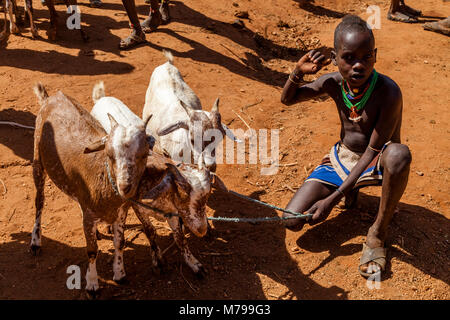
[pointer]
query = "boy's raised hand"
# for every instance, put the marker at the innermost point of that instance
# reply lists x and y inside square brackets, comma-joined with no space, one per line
[312,62]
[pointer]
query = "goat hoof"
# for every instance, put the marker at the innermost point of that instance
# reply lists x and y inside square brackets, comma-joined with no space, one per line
[14,29]
[201,273]
[92,294]
[35,250]
[34,33]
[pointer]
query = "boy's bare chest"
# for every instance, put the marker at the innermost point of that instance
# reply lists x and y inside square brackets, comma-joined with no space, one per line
[368,115]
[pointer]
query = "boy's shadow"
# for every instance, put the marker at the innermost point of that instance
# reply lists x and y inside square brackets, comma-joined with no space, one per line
[417,231]
[259,249]
[19,140]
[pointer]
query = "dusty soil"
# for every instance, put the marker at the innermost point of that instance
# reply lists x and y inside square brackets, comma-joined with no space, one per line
[244,67]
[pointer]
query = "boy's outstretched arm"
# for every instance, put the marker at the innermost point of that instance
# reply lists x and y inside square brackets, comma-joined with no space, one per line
[310,63]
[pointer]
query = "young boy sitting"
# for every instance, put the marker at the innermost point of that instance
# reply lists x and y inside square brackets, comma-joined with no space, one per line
[369,152]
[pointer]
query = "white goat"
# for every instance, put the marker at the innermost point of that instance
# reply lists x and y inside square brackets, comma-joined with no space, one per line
[198,177]
[180,125]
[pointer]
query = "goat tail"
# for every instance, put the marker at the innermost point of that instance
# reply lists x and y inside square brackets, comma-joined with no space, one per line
[40,92]
[168,55]
[98,91]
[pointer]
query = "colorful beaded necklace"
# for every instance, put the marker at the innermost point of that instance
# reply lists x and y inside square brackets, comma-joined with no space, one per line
[364,96]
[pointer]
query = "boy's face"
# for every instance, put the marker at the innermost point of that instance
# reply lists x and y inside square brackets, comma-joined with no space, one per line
[355,57]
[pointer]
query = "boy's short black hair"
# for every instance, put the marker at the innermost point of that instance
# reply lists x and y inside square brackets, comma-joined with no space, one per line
[351,23]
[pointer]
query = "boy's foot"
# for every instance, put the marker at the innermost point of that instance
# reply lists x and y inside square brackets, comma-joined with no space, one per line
[410,11]
[401,17]
[153,21]
[372,262]
[132,41]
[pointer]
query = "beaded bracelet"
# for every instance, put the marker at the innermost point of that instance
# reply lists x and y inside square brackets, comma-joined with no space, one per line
[292,80]
[373,149]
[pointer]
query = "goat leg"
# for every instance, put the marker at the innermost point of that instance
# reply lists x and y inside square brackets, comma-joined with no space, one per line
[178,235]
[158,261]
[90,228]
[39,180]
[119,244]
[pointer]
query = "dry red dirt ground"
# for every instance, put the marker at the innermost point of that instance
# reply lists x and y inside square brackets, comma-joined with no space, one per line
[244,67]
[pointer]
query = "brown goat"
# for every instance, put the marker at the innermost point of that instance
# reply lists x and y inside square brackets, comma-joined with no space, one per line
[87,172]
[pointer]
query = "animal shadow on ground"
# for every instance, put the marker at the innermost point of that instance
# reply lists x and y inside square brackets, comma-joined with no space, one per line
[257,251]
[415,237]
[19,140]
[319,10]
[84,63]
[249,65]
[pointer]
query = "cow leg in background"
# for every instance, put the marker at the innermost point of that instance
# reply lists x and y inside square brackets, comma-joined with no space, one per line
[178,235]
[53,20]
[4,33]
[29,10]
[10,7]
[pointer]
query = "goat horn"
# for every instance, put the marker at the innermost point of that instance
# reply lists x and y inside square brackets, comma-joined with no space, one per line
[147,120]
[215,107]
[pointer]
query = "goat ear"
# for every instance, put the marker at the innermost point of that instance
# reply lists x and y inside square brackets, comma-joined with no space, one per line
[172,127]
[96,146]
[112,121]
[230,134]
[188,109]
[180,181]
[218,183]
[215,107]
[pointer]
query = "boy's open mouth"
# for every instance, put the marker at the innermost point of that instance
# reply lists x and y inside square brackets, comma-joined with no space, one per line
[357,76]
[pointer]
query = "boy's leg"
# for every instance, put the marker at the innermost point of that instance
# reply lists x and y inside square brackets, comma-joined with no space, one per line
[137,36]
[395,161]
[309,193]
[154,18]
